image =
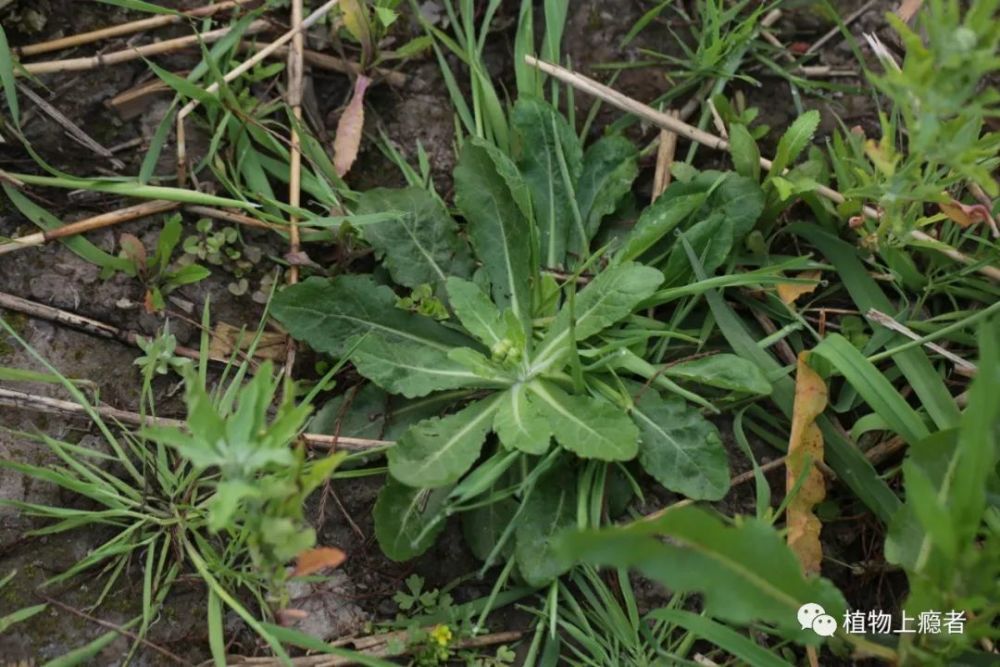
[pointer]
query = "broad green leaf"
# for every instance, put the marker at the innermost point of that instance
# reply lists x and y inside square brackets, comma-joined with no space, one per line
[611,296]
[475,311]
[401,351]
[371,413]
[658,221]
[873,386]
[739,198]
[403,514]
[520,424]
[484,525]
[740,646]
[745,153]
[712,240]
[420,244]
[497,226]
[438,451]
[681,449]
[589,427]
[549,510]
[610,165]
[744,573]
[795,140]
[725,371]
[550,159]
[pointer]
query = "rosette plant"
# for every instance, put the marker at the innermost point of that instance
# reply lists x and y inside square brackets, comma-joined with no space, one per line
[544,345]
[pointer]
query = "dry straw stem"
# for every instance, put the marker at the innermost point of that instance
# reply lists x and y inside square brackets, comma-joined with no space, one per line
[80,323]
[664,159]
[129,28]
[72,128]
[238,71]
[135,53]
[22,401]
[334,64]
[296,75]
[963,366]
[665,121]
[96,222]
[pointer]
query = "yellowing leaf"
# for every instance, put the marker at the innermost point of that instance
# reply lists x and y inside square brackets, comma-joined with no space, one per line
[789,293]
[348,140]
[318,559]
[356,21]
[805,447]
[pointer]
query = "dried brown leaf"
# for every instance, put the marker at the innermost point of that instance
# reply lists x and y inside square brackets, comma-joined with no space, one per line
[805,447]
[347,143]
[317,559]
[226,338]
[964,215]
[789,293]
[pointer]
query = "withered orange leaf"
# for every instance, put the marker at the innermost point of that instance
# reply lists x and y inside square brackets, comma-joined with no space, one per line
[789,293]
[964,215]
[348,140]
[805,448]
[318,559]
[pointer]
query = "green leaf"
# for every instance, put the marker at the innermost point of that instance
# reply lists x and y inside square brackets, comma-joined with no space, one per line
[85,653]
[590,427]
[610,165]
[745,152]
[725,371]
[402,352]
[520,424]
[420,243]
[681,449]
[20,615]
[744,573]
[216,630]
[484,526]
[795,140]
[7,80]
[475,311]
[657,221]
[78,244]
[741,647]
[497,226]
[611,296]
[403,514]
[873,386]
[551,161]
[712,240]
[438,451]
[548,511]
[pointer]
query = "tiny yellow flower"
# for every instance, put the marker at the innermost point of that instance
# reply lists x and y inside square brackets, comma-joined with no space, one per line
[441,634]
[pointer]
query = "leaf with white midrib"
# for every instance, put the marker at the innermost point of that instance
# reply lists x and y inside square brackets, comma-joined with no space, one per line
[438,451]
[589,427]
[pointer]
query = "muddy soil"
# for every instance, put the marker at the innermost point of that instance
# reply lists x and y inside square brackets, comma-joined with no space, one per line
[361,592]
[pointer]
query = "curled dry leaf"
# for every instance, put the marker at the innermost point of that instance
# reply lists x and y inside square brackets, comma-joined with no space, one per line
[348,140]
[320,558]
[805,448]
[789,293]
[964,215]
[134,250]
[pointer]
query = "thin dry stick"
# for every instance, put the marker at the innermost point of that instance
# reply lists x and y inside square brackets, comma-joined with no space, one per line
[135,53]
[96,222]
[851,18]
[334,64]
[663,120]
[908,9]
[664,159]
[72,128]
[124,29]
[232,216]
[295,76]
[962,365]
[81,323]
[235,73]
[22,401]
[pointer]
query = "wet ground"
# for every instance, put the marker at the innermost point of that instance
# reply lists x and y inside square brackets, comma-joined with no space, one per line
[362,590]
